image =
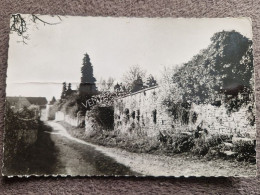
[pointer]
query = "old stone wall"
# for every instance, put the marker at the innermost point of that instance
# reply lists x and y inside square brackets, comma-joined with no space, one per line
[73,121]
[142,113]
[217,121]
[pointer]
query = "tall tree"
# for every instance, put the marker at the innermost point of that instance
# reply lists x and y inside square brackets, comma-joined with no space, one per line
[64,90]
[69,86]
[87,71]
[69,90]
[87,86]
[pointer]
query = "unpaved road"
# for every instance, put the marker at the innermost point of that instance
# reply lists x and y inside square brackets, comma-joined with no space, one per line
[78,158]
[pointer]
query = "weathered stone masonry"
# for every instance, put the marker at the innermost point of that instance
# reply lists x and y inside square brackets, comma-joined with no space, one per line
[143,111]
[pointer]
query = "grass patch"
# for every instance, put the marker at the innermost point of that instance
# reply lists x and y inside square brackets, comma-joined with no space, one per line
[208,147]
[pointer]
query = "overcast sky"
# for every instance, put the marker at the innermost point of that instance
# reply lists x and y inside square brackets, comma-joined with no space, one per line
[54,52]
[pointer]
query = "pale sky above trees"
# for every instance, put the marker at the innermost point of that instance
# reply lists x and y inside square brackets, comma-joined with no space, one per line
[54,53]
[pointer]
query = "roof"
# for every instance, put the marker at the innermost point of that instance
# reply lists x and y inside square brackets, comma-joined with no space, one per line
[14,100]
[37,100]
[32,100]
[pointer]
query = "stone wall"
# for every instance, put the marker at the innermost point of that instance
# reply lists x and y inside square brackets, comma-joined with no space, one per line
[143,113]
[217,121]
[73,121]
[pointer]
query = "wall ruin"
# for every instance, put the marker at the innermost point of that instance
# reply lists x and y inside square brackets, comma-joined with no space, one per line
[142,113]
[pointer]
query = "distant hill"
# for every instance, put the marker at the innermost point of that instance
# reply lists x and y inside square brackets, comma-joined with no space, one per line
[225,67]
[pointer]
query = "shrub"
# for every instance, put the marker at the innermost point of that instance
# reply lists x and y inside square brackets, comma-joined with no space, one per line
[200,147]
[203,146]
[245,149]
[177,143]
[102,116]
[182,143]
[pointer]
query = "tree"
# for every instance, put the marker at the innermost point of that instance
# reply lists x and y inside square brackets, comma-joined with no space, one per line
[64,90]
[106,85]
[110,83]
[69,90]
[151,81]
[87,86]
[19,24]
[53,100]
[224,68]
[133,74]
[102,85]
[137,85]
[87,71]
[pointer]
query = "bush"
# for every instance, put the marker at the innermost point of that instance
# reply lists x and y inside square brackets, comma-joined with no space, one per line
[182,143]
[246,150]
[102,117]
[177,143]
[203,146]
[200,147]
[52,110]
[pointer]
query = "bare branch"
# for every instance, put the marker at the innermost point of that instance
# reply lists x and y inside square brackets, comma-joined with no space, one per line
[35,18]
[19,25]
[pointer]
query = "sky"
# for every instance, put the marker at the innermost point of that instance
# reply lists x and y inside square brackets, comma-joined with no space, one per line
[53,54]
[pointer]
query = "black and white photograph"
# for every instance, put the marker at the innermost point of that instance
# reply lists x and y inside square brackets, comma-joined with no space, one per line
[119,96]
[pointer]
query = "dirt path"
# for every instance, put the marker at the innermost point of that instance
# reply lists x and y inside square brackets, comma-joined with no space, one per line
[155,165]
[78,158]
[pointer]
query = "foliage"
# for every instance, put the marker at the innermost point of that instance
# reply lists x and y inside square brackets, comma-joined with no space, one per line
[203,145]
[150,81]
[24,119]
[16,123]
[224,68]
[64,90]
[137,85]
[69,105]
[106,85]
[36,158]
[182,143]
[133,78]
[87,71]
[103,117]
[246,150]
[53,100]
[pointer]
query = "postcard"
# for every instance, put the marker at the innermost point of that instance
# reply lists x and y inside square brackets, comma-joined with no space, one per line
[119,96]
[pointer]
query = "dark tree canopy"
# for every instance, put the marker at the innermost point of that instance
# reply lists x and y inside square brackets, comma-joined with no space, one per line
[69,90]
[137,85]
[87,71]
[64,90]
[225,67]
[151,81]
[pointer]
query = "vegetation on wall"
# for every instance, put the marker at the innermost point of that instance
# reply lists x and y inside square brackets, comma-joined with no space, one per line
[219,74]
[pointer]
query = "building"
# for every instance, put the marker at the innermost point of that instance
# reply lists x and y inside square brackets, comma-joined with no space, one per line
[17,103]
